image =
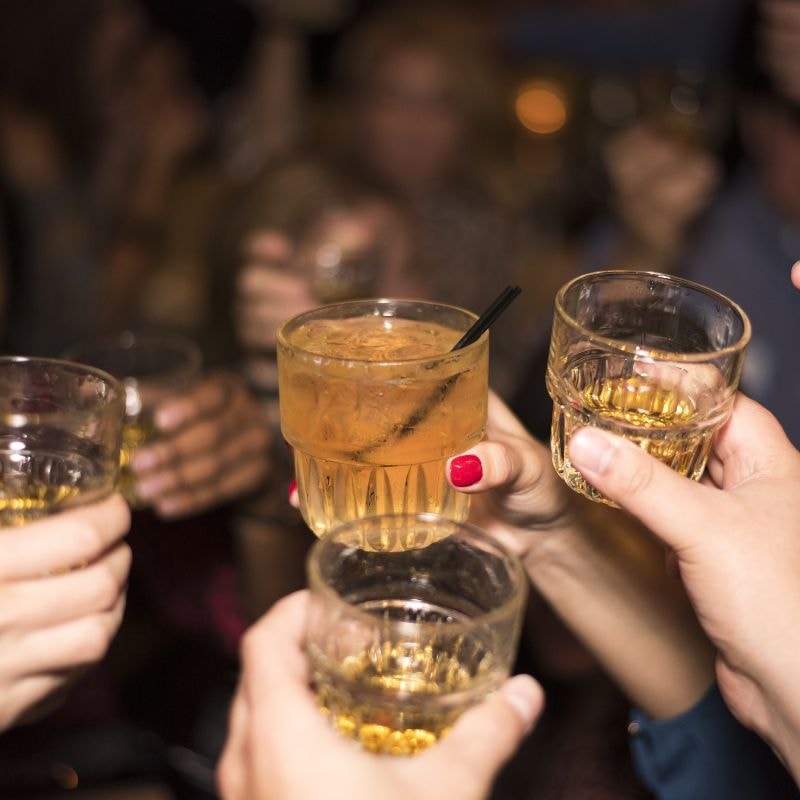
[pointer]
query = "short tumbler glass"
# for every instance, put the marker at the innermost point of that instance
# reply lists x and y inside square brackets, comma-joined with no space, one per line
[402,639]
[60,430]
[374,402]
[653,358]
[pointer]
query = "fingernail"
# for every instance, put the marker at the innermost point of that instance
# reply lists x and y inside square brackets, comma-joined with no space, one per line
[465,470]
[168,418]
[591,450]
[292,487]
[525,696]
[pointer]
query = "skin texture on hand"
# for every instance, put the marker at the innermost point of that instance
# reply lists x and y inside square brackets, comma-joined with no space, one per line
[601,573]
[213,447]
[62,597]
[281,747]
[267,293]
[736,537]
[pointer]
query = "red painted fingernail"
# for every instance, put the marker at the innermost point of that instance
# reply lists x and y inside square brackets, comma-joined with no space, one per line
[465,470]
[292,487]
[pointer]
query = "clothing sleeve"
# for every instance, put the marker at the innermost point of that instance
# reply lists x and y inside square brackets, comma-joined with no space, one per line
[705,754]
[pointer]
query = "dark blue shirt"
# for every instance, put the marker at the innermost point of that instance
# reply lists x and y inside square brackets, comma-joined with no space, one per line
[705,754]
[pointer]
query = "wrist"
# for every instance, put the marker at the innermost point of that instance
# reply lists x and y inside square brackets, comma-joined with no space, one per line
[563,550]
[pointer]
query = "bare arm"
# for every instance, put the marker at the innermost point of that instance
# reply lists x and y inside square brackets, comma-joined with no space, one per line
[599,570]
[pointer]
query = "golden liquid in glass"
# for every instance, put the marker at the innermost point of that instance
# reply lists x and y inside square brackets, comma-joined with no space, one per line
[36,484]
[399,698]
[373,438]
[665,420]
[135,433]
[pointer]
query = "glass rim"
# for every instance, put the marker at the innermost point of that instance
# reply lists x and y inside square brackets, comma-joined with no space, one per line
[176,341]
[76,367]
[319,586]
[654,352]
[283,342]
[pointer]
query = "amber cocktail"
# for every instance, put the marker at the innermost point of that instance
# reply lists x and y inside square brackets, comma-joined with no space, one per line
[374,402]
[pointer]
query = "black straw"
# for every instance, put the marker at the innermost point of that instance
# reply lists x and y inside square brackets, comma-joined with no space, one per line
[481,325]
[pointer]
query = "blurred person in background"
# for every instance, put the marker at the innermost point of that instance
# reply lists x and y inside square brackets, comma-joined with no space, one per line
[404,151]
[420,114]
[108,191]
[738,240]
[96,114]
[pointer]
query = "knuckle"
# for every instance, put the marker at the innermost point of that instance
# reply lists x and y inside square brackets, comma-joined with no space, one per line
[120,516]
[127,560]
[106,587]
[88,536]
[95,639]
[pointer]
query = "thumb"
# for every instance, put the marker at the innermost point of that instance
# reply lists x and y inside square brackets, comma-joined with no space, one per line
[486,736]
[672,506]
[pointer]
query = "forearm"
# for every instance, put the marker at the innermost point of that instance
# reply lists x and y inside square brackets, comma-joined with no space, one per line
[606,580]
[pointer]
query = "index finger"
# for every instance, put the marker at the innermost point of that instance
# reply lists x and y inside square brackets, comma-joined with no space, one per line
[514,462]
[257,280]
[65,540]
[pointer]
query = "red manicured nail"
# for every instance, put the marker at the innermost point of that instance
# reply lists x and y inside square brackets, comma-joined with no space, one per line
[292,487]
[465,470]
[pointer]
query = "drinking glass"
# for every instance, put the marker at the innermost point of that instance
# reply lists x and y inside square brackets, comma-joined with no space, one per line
[151,367]
[413,619]
[60,431]
[653,358]
[373,402]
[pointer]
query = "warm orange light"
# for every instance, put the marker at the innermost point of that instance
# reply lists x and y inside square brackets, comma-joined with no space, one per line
[541,108]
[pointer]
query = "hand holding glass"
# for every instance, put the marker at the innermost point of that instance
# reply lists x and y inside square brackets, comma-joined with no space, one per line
[151,367]
[413,620]
[653,358]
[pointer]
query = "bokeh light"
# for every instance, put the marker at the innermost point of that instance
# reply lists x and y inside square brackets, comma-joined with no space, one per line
[541,107]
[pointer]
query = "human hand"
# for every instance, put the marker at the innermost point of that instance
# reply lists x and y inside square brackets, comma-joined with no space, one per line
[529,499]
[267,294]
[796,275]
[54,623]
[660,186]
[736,536]
[213,447]
[280,747]
[599,572]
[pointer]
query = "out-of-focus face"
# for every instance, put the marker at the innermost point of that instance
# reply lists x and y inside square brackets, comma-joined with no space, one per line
[773,138]
[409,125]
